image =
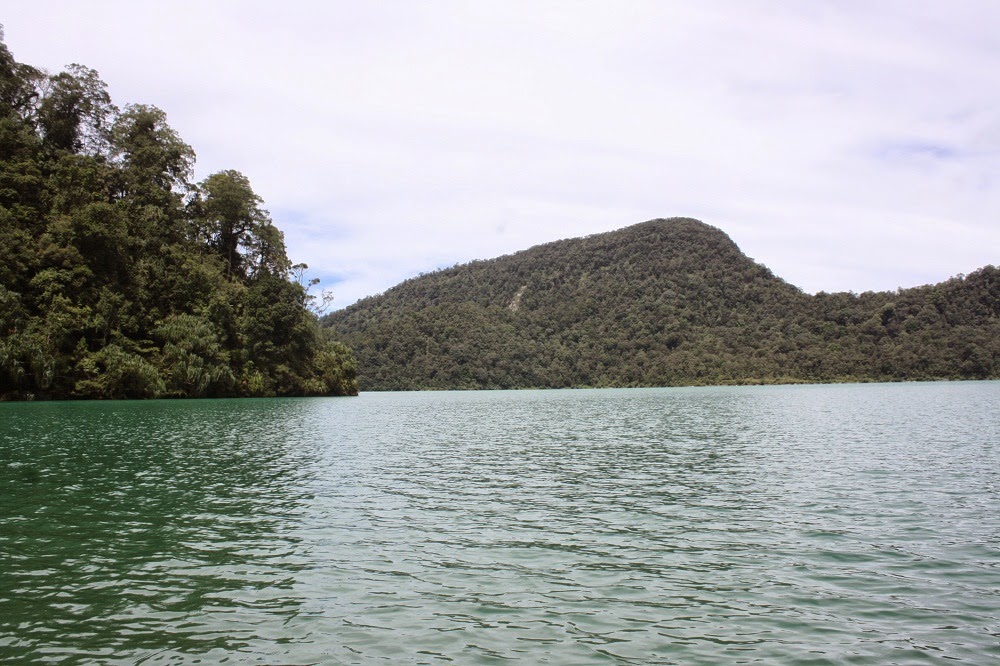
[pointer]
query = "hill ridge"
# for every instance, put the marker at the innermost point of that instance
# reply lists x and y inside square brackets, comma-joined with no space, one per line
[662,302]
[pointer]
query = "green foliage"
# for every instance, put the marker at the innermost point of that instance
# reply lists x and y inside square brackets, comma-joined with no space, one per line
[665,302]
[230,219]
[121,279]
[154,162]
[336,370]
[75,112]
[113,372]
[194,362]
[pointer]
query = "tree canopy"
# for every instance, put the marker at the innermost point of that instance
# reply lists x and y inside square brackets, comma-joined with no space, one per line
[121,278]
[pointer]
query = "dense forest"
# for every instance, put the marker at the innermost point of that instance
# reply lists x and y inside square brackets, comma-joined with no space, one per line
[665,302]
[120,278]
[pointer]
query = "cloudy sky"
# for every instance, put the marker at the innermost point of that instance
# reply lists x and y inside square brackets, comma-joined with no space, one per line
[845,144]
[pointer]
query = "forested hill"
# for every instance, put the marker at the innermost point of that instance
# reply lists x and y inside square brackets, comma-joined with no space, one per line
[665,302]
[121,278]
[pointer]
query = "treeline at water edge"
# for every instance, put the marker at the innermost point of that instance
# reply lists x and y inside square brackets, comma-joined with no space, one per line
[662,303]
[121,278]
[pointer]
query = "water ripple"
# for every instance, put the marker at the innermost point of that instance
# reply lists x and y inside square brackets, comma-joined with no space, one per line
[793,525]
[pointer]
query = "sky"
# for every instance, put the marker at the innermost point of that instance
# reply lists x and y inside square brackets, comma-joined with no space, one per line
[847,145]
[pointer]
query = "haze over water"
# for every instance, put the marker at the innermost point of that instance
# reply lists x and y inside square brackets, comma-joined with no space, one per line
[848,524]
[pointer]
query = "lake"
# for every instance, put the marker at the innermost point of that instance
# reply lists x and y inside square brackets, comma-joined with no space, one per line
[844,524]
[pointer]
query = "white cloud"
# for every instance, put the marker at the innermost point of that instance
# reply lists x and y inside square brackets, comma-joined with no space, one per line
[846,145]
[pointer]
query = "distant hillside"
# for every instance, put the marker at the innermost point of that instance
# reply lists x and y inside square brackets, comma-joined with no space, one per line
[665,302]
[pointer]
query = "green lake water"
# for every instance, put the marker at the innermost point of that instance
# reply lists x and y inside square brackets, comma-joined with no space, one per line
[848,524]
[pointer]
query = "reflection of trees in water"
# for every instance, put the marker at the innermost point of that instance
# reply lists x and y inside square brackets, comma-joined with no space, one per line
[132,526]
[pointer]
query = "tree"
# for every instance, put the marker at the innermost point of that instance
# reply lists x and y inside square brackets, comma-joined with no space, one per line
[155,163]
[76,113]
[229,216]
[18,91]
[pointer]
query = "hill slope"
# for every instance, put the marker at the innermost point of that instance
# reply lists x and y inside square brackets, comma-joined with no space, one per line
[664,302]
